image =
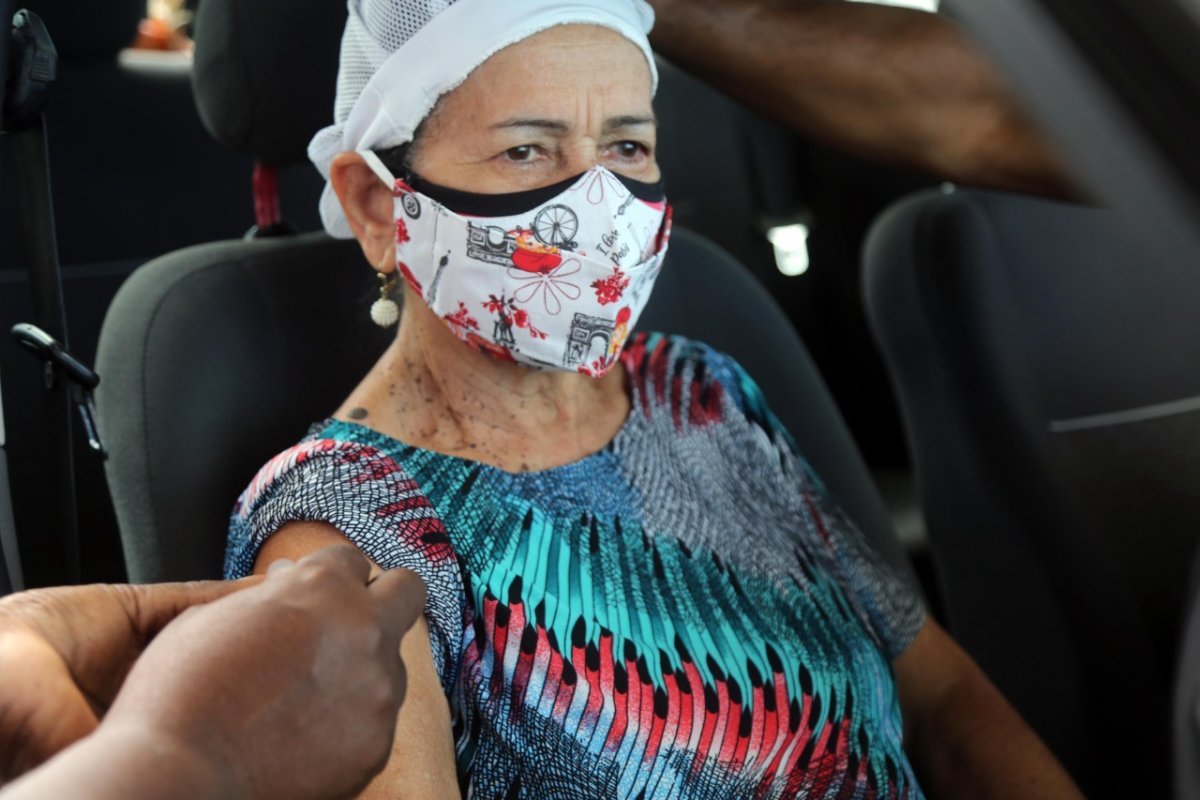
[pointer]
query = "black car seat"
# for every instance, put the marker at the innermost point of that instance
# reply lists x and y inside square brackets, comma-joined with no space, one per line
[218,356]
[1048,376]
[88,121]
[133,174]
[1185,723]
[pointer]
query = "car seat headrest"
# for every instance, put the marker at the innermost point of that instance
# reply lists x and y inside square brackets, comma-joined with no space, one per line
[265,73]
[87,30]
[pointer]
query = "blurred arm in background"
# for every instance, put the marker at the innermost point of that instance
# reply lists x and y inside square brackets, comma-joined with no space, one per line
[892,84]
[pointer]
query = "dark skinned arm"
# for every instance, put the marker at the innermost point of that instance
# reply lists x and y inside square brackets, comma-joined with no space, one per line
[892,84]
[287,686]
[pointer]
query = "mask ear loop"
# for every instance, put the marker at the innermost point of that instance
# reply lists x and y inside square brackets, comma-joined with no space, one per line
[377,166]
[385,312]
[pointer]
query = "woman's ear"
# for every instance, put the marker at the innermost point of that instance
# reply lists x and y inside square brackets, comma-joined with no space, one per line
[369,207]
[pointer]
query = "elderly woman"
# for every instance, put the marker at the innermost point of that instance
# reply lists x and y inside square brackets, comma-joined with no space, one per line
[636,586]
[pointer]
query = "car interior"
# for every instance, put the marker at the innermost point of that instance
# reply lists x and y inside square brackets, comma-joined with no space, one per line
[1000,389]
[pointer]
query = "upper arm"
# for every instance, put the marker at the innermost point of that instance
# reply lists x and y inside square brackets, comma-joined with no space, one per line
[939,686]
[942,688]
[925,673]
[295,540]
[962,736]
[422,761]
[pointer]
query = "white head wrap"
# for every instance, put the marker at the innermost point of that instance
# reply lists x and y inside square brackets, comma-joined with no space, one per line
[400,56]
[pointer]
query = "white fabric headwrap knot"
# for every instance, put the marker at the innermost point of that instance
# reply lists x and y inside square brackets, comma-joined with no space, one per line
[399,56]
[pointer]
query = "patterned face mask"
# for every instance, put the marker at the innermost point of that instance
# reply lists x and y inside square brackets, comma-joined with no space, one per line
[553,278]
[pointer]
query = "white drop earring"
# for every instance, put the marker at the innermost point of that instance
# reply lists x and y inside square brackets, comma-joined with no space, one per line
[385,312]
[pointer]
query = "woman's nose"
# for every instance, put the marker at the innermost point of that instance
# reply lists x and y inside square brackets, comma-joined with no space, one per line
[582,157]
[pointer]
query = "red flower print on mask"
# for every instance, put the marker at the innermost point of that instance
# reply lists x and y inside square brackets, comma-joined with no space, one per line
[496,305]
[462,320]
[610,289]
[522,320]
[599,368]
[510,315]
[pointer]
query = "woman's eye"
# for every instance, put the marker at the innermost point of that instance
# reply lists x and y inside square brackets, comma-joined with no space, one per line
[630,150]
[525,152]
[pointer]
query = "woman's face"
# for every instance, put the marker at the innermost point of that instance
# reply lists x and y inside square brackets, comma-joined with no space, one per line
[541,111]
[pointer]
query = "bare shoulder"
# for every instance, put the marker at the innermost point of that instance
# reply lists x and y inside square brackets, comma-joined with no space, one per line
[295,540]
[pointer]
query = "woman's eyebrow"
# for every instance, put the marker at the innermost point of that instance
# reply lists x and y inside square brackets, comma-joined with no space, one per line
[562,127]
[614,124]
[554,125]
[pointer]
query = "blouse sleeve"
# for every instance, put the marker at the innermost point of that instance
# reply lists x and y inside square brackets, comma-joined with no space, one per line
[369,498]
[885,599]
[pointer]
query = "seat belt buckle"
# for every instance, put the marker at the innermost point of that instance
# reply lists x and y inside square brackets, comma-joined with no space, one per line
[58,361]
[86,405]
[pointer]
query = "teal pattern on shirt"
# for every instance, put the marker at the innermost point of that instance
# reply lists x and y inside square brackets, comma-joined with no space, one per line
[684,614]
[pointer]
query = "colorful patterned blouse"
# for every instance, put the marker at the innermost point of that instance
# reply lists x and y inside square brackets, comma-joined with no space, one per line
[684,614]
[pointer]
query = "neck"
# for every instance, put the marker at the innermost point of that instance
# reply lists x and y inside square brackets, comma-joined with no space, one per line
[435,392]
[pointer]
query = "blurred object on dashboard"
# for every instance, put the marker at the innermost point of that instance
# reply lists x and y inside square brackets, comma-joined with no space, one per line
[164,27]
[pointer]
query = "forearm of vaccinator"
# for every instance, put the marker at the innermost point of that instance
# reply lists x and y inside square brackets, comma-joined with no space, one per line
[118,763]
[889,83]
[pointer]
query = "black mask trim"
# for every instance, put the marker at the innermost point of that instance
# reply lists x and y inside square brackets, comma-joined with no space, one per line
[473,204]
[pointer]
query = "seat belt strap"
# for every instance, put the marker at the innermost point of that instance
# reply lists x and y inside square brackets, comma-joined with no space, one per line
[11,577]
[34,59]
[37,228]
